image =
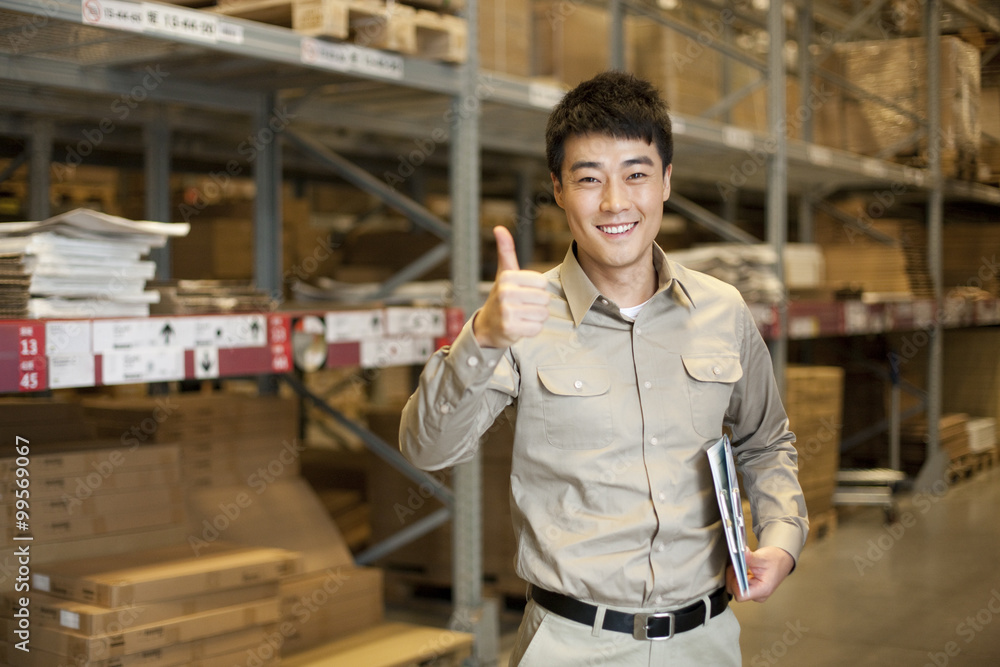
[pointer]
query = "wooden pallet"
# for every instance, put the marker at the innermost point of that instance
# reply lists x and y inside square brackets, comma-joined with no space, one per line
[389,645]
[375,24]
[965,465]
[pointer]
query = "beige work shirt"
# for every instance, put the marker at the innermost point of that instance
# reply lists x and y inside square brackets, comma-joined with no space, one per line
[611,491]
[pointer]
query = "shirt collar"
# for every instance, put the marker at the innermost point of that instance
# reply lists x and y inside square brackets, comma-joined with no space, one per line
[581,292]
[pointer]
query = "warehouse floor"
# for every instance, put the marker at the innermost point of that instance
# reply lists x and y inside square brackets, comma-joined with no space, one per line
[924,591]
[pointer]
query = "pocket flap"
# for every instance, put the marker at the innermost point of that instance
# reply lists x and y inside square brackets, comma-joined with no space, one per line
[713,367]
[575,380]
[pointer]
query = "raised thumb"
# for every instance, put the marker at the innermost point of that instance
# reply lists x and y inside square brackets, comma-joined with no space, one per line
[506,254]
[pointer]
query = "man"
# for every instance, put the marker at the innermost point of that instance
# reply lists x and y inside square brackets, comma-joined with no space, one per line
[618,369]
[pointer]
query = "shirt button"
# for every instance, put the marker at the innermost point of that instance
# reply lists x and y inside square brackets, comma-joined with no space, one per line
[647,384]
[659,549]
[473,361]
[653,441]
[638,331]
[662,496]
[716,370]
[659,599]
[444,408]
[491,363]
[578,384]
[604,301]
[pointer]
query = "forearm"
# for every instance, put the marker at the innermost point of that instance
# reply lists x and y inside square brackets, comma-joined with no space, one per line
[456,401]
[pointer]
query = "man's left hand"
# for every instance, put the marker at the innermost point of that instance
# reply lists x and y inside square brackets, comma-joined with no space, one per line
[768,567]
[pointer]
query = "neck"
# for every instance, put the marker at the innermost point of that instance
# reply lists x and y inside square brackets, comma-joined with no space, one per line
[626,286]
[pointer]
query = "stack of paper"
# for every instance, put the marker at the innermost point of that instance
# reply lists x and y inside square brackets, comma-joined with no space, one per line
[79,264]
[752,269]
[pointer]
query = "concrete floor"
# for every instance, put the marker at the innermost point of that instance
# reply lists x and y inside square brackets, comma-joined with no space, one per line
[922,592]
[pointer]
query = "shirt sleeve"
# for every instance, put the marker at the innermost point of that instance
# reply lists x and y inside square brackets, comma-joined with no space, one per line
[462,389]
[763,447]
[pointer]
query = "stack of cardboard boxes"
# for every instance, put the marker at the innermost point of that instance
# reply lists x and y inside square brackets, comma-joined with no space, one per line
[159,607]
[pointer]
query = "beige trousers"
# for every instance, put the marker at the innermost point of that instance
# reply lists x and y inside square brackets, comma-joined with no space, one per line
[549,640]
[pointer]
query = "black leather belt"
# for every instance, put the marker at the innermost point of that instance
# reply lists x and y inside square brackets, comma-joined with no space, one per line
[655,625]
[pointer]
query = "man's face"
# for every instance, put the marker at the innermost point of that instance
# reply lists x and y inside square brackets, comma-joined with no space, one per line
[613,192]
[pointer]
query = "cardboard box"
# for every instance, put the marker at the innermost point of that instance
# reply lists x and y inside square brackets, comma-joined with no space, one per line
[76,527]
[164,574]
[139,638]
[42,421]
[104,503]
[323,606]
[92,620]
[81,486]
[896,69]
[103,457]
[814,403]
[505,36]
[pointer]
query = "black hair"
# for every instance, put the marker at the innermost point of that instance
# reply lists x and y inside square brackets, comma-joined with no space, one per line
[613,103]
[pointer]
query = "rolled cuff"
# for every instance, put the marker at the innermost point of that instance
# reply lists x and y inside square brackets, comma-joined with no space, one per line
[787,536]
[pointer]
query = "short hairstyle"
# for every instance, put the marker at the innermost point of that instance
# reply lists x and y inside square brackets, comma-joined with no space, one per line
[615,104]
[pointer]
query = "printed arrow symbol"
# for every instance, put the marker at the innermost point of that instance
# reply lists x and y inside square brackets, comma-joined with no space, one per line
[206,363]
[254,328]
[167,332]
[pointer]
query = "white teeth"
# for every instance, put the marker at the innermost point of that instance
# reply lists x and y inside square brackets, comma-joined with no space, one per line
[618,229]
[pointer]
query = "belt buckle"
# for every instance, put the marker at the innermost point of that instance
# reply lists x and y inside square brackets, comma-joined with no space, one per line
[640,625]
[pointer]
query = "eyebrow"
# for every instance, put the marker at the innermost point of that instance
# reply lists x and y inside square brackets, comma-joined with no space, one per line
[585,164]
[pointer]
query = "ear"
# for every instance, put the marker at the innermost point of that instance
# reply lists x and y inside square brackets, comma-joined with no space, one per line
[666,181]
[557,189]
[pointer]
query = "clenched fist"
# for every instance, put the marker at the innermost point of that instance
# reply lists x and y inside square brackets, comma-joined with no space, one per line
[518,303]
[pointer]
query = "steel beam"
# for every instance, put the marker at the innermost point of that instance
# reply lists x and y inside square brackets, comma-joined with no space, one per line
[933,470]
[362,179]
[709,220]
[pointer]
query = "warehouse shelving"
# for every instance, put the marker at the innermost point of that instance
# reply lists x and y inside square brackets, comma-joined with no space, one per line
[224,71]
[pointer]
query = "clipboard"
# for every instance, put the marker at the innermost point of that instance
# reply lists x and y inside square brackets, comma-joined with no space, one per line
[727,494]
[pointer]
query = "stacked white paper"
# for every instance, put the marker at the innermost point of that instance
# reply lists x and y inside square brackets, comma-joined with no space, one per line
[982,433]
[752,269]
[80,264]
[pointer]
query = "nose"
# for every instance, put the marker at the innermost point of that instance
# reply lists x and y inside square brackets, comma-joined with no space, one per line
[615,197]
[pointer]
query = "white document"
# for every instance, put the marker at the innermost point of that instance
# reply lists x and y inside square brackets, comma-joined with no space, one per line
[727,494]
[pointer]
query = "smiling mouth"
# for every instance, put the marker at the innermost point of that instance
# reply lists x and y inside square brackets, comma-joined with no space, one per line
[618,229]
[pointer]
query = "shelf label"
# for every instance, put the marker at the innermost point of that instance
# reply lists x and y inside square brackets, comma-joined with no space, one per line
[206,363]
[280,335]
[71,370]
[415,322]
[163,19]
[67,337]
[113,14]
[31,357]
[180,22]
[142,365]
[803,327]
[354,325]
[399,351]
[348,58]
[737,137]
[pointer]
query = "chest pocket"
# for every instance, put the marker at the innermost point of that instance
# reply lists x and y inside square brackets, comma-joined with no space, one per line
[710,380]
[576,406]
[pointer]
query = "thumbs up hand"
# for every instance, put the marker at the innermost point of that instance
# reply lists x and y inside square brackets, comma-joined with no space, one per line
[518,303]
